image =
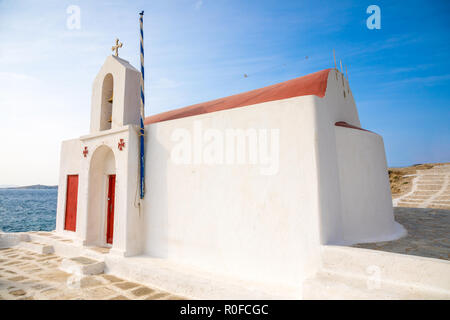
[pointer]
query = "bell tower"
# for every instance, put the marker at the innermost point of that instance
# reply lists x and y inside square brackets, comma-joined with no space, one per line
[115,95]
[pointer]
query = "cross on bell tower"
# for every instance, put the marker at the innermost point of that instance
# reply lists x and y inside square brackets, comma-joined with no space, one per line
[116,47]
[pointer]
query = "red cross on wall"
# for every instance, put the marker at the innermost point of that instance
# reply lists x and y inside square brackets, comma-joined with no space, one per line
[85,152]
[121,144]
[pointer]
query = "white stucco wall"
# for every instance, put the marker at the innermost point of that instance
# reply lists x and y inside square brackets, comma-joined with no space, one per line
[125,211]
[337,105]
[230,218]
[367,211]
[344,164]
[103,158]
[233,220]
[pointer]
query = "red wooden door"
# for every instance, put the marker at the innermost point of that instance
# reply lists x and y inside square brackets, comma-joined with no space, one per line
[70,222]
[110,211]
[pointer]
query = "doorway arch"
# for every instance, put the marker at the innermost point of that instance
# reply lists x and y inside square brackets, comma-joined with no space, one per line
[101,168]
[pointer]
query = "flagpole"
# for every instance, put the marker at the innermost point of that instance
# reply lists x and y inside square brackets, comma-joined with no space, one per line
[141,131]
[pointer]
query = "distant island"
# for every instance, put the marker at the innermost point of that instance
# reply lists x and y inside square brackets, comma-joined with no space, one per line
[34,186]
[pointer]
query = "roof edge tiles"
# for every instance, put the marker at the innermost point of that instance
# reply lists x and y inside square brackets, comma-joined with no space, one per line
[311,84]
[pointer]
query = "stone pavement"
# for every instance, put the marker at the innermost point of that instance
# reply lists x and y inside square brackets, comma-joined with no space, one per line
[428,233]
[430,189]
[26,275]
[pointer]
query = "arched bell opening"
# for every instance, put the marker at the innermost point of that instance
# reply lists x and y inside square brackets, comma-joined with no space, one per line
[107,102]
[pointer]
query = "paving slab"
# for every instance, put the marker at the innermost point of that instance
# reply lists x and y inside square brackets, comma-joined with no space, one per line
[42,280]
[428,233]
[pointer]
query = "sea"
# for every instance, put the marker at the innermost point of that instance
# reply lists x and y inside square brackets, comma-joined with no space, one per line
[28,209]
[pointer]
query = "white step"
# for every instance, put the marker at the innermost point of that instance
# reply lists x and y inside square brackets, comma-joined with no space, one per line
[334,286]
[9,239]
[82,266]
[78,281]
[348,272]
[421,271]
[41,248]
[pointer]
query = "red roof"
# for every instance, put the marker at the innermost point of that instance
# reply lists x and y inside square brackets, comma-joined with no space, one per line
[311,84]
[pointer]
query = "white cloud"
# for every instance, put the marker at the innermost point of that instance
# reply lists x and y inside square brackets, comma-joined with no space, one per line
[198,4]
[164,83]
[6,77]
[425,80]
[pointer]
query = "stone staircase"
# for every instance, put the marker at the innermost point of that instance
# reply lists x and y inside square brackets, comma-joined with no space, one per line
[430,189]
[354,273]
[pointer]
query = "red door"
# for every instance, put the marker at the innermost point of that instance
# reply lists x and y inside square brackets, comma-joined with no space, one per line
[110,212]
[70,222]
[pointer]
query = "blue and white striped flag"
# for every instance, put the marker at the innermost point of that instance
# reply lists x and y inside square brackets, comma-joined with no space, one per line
[141,131]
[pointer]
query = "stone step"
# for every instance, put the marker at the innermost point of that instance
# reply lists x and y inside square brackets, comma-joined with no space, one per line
[413,271]
[424,193]
[79,281]
[421,187]
[408,205]
[326,285]
[41,248]
[439,206]
[10,239]
[355,273]
[82,266]
[432,176]
[412,200]
[437,171]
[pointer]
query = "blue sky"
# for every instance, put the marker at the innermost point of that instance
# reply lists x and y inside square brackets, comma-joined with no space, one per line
[200,50]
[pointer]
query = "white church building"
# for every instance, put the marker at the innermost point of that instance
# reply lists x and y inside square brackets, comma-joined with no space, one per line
[247,187]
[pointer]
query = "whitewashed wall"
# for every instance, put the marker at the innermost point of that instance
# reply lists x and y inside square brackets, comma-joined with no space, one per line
[232,220]
[367,211]
[103,158]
